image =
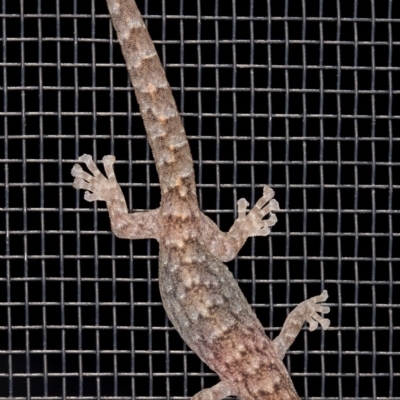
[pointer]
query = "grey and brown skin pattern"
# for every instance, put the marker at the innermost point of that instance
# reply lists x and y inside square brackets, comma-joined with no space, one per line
[199,293]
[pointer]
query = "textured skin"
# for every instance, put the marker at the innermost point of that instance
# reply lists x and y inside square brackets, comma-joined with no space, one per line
[199,293]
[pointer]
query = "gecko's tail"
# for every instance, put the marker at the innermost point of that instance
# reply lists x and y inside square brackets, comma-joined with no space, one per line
[160,115]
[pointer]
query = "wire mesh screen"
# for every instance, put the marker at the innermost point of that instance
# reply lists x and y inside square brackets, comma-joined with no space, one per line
[299,95]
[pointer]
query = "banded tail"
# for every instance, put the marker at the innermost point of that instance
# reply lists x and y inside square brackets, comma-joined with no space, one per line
[160,115]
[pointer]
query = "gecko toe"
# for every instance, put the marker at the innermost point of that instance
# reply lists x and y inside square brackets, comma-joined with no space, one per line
[82,184]
[109,159]
[313,324]
[324,295]
[273,205]
[264,231]
[85,158]
[322,309]
[272,220]
[320,298]
[268,192]
[76,170]
[88,196]
[325,323]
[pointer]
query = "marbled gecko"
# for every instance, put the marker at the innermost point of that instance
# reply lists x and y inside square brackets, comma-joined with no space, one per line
[199,293]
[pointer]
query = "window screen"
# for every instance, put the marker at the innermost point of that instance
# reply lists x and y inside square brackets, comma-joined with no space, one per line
[300,95]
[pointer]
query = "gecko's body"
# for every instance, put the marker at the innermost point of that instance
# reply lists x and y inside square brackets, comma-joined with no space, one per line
[200,295]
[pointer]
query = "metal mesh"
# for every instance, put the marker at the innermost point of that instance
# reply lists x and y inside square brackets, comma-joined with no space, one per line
[301,95]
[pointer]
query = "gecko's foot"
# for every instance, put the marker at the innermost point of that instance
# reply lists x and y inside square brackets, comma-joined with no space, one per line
[253,222]
[97,186]
[313,307]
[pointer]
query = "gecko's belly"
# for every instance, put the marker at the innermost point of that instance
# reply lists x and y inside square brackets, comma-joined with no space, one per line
[208,309]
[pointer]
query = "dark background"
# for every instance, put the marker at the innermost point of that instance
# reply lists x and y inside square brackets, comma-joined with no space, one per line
[300,95]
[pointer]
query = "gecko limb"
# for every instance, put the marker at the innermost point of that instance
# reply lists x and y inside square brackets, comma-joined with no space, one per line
[99,187]
[217,392]
[306,311]
[225,246]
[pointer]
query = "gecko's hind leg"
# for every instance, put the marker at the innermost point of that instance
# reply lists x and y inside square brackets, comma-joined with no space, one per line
[217,392]
[306,311]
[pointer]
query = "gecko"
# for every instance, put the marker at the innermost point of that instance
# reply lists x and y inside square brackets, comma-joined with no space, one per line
[199,293]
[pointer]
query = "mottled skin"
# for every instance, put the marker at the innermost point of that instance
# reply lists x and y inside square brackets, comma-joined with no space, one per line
[199,293]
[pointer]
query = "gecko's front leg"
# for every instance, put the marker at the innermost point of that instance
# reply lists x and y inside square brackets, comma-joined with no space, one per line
[99,187]
[256,222]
